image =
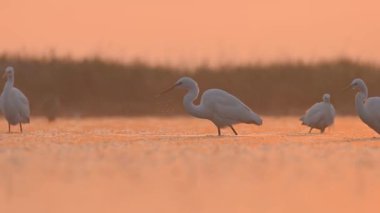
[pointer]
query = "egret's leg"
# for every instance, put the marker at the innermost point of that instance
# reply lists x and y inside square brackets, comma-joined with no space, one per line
[233,130]
[219,131]
[20,127]
[9,128]
[310,129]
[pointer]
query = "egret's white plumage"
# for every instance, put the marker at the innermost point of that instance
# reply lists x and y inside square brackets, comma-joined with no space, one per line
[368,109]
[222,108]
[13,103]
[320,115]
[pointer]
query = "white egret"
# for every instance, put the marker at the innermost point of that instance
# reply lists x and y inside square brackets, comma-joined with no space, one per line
[216,105]
[14,104]
[368,109]
[320,115]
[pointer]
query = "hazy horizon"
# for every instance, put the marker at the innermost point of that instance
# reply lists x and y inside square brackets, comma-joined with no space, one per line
[168,31]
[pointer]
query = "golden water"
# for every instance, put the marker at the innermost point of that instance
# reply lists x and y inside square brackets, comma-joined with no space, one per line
[179,165]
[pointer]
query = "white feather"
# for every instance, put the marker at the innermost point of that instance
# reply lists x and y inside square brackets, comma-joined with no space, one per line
[219,106]
[320,115]
[368,109]
[13,103]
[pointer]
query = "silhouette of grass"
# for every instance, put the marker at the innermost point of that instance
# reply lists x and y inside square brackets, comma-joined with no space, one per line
[95,87]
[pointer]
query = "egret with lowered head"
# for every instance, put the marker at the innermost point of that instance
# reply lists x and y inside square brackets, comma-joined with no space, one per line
[320,115]
[216,105]
[368,109]
[14,104]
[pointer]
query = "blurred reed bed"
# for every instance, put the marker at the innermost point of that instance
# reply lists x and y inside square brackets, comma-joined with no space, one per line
[95,87]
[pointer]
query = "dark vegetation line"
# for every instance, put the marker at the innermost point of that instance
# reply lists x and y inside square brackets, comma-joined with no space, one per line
[94,87]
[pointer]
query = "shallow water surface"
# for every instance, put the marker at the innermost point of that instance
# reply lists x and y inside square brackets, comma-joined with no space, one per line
[178,164]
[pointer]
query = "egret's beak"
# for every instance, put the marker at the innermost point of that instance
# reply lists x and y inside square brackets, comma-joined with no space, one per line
[346,88]
[4,74]
[169,89]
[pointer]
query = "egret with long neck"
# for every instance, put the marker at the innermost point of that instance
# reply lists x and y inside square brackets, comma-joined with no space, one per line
[216,105]
[368,109]
[13,103]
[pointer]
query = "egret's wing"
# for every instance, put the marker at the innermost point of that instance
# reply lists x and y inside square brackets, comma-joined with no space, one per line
[318,117]
[20,96]
[313,114]
[231,111]
[229,107]
[373,107]
[302,118]
[332,111]
[22,102]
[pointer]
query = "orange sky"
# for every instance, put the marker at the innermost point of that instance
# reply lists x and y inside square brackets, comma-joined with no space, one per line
[193,31]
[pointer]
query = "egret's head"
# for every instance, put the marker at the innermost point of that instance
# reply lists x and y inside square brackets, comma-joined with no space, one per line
[358,84]
[184,82]
[9,72]
[326,98]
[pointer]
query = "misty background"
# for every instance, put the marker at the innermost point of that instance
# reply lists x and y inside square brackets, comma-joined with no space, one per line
[93,87]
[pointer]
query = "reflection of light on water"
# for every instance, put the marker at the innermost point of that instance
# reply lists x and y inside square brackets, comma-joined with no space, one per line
[183,135]
[106,163]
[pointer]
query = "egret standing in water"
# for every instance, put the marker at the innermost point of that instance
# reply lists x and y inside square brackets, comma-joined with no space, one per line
[368,109]
[320,115]
[216,105]
[14,104]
